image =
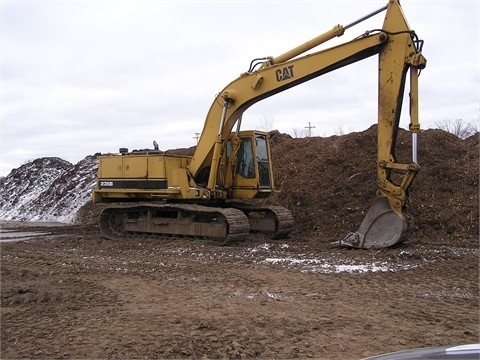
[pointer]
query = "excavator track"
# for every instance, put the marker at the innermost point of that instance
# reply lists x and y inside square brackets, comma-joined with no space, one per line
[226,225]
[275,221]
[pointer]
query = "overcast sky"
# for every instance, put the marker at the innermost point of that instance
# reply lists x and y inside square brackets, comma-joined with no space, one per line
[83,76]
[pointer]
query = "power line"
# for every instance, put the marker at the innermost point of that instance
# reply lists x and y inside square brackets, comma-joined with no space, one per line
[309,127]
[197,136]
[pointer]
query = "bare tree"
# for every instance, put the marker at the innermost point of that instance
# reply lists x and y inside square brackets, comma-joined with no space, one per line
[339,130]
[300,133]
[266,123]
[457,127]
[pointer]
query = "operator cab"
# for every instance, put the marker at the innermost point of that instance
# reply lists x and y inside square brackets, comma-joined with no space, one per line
[253,168]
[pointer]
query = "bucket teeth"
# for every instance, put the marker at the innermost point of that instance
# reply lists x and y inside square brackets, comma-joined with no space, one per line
[381,228]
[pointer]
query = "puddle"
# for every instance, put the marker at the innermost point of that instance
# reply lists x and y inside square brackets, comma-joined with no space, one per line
[9,233]
[13,223]
[12,235]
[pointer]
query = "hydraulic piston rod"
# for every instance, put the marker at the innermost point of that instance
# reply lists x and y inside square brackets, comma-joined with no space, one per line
[337,31]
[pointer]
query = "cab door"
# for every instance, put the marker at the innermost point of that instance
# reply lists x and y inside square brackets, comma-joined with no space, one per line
[263,161]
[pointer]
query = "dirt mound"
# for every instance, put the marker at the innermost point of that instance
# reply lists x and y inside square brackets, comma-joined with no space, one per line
[47,189]
[329,183]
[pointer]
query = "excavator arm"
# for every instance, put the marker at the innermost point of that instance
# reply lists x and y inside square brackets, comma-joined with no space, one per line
[399,52]
[386,223]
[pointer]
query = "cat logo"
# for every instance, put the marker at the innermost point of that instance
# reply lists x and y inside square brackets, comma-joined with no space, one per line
[285,73]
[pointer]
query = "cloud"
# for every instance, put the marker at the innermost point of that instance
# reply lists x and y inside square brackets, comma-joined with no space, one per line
[80,77]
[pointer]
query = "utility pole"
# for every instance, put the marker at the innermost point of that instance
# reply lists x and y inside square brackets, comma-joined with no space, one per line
[197,136]
[309,127]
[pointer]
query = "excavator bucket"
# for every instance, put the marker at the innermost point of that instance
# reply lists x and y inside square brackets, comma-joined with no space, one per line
[381,228]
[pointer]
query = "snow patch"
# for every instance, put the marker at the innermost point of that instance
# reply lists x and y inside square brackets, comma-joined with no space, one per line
[47,189]
[323,266]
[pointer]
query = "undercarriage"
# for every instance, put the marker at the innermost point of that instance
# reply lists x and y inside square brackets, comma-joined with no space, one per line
[226,224]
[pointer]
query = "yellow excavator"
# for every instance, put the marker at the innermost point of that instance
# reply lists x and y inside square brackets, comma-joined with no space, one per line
[206,195]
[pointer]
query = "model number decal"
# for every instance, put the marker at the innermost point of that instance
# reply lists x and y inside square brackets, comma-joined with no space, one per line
[106,183]
[284,73]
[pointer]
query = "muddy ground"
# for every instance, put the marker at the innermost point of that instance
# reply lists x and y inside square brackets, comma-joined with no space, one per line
[69,293]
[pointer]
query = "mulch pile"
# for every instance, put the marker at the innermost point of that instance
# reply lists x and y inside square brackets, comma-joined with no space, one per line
[329,183]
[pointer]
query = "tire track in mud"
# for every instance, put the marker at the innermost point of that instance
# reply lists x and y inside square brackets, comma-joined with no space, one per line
[80,295]
[37,273]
